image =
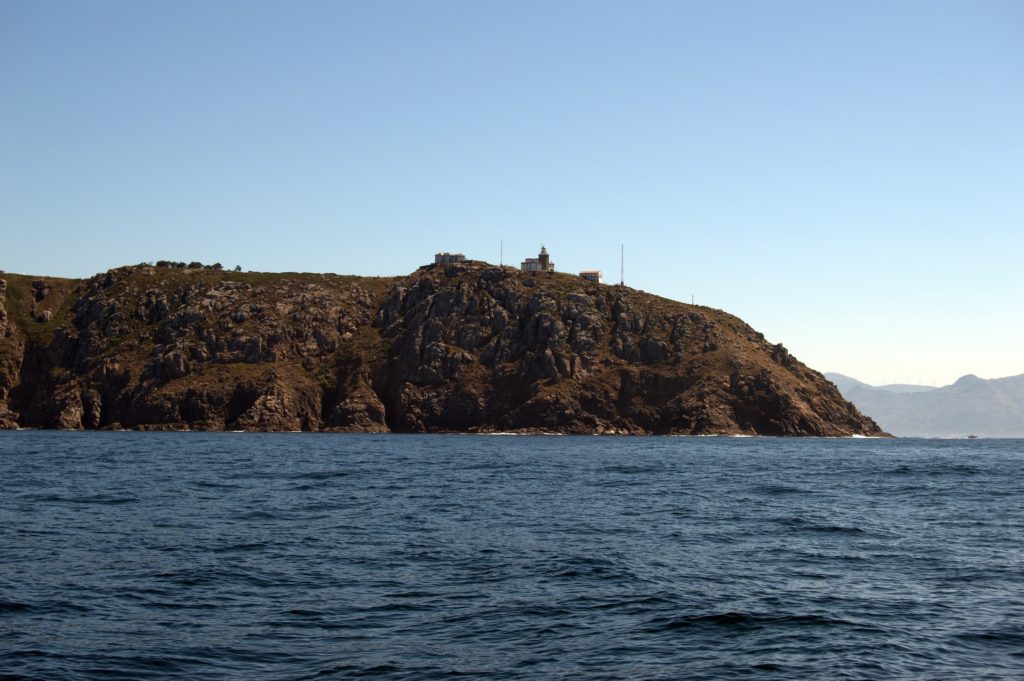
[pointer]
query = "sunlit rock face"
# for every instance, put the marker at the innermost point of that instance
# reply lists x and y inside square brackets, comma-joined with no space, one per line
[451,347]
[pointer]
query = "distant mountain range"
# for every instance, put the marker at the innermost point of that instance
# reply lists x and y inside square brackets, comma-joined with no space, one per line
[971,406]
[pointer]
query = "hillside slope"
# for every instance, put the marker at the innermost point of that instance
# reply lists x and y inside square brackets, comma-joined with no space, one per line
[467,347]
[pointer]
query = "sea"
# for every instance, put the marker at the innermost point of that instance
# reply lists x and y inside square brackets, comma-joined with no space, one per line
[328,556]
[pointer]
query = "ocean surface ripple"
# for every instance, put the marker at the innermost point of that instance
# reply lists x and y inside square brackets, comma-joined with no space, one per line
[317,556]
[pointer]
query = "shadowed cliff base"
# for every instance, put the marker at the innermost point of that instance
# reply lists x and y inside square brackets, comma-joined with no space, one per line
[465,347]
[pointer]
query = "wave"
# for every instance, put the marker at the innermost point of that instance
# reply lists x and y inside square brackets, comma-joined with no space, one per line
[744,620]
[778,489]
[809,526]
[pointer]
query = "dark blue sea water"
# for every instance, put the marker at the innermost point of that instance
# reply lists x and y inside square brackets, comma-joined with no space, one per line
[302,556]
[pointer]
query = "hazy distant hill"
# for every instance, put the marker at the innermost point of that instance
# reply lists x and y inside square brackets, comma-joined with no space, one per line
[844,383]
[987,408]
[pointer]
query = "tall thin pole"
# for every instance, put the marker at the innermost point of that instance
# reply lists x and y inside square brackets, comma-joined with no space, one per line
[622,264]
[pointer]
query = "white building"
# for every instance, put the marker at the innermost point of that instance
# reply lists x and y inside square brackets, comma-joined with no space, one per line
[448,258]
[542,263]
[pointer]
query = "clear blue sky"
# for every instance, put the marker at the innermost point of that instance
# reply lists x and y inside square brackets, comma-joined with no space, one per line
[847,177]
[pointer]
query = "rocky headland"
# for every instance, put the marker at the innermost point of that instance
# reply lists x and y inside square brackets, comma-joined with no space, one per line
[466,347]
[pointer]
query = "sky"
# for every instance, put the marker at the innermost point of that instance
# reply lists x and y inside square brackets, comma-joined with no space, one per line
[846,177]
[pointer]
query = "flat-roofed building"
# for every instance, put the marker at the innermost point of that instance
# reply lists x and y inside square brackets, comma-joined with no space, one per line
[448,258]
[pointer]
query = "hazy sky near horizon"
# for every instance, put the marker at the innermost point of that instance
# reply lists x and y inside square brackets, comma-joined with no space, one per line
[848,178]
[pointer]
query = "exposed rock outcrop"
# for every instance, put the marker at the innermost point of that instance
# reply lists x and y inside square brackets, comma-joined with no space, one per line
[460,347]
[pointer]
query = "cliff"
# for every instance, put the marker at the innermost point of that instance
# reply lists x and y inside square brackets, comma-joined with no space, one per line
[465,347]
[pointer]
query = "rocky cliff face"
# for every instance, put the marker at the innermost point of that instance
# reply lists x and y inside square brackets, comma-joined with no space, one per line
[466,347]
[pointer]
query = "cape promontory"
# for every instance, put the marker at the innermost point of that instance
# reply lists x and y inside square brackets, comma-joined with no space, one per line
[458,347]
